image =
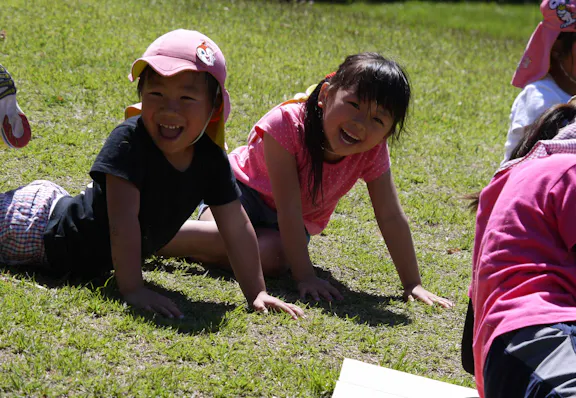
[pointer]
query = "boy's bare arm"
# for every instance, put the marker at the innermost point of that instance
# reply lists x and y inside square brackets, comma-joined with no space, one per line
[123,201]
[242,247]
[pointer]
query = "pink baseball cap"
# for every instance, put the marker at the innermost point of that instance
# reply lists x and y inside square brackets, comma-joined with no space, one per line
[559,16]
[186,50]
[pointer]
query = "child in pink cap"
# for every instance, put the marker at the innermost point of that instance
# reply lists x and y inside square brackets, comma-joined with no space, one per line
[304,155]
[148,178]
[547,71]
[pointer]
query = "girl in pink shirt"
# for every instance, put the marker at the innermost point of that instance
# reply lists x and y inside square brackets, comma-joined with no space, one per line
[523,289]
[304,155]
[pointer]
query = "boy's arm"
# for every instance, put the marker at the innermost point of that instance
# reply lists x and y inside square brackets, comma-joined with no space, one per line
[396,233]
[242,247]
[123,202]
[282,169]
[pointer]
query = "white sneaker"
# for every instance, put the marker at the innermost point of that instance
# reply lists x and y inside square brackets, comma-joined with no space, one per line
[14,125]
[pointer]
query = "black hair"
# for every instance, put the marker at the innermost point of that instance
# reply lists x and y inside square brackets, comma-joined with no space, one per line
[376,79]
[566,40]
[545,127]
[148,71]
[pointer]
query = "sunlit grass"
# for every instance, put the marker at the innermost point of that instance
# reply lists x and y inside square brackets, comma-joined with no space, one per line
[70,61]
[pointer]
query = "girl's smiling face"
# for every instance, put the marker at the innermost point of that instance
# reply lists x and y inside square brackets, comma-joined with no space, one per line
[351,126]
[175,110]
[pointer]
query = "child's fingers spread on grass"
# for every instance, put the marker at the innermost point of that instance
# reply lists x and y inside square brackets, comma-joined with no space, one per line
[294,311]
[264,301]
[153,302]
[335,293]
[168,309]
[326,295]
[305,292]
[430,298]
[426,299]
[163,311]
[316,288]
[443,302]
[299,312]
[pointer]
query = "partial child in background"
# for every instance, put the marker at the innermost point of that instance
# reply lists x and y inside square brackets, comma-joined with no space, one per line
[523,289]
[149,177]
[547,71]
[303,156]
[14,125]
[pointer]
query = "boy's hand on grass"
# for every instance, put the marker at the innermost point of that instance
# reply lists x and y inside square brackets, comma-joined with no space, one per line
[151,301]
[264,301]
[316,288]
[417,292]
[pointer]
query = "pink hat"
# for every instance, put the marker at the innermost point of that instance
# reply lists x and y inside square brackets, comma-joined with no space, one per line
[187,50]
[559,16]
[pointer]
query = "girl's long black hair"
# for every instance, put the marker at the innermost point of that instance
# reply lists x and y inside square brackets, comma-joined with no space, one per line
[376,79]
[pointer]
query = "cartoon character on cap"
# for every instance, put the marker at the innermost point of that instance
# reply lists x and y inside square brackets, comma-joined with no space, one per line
[206,54]
[564,14]
[546,72]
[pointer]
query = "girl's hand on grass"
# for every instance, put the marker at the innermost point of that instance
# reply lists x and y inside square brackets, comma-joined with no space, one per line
[264,301]
[154,302]
[317,287]
[417,292]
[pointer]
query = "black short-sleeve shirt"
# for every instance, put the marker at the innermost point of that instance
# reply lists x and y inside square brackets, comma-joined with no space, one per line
[77,237]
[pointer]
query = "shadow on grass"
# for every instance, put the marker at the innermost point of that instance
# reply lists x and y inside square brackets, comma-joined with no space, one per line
[360,307]
[200,317]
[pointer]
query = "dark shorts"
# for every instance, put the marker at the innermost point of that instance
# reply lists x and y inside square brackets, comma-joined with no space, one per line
[536,362]
[260,214]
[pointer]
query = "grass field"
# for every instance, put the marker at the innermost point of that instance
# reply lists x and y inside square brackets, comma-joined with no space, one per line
[70,61]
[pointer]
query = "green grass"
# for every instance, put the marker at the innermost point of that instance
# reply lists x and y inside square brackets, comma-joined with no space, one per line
[70,60]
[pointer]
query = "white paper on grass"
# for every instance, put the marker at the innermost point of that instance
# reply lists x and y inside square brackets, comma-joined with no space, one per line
[359,379]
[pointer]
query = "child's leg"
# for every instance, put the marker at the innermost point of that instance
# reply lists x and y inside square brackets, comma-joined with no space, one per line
[201,240]
[14,125]
[24,215]
[535,362]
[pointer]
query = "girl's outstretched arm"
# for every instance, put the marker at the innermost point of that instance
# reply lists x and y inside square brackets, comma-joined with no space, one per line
[396,233]
[242,247]
[282,169]
[123,200]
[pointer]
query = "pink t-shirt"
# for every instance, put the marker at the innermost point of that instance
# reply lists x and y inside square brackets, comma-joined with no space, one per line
[285,123]
[524,268]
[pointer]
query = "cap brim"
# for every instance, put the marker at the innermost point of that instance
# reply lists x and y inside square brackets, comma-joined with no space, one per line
[163,65]
[535,62]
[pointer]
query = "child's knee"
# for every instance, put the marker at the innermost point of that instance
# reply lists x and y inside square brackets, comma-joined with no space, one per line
[273,262]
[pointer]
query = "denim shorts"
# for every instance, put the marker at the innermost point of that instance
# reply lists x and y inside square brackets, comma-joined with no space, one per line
[535,362]
[260,214]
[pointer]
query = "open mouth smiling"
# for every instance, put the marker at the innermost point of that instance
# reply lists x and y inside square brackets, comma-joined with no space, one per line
[348,138]
[169,132]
